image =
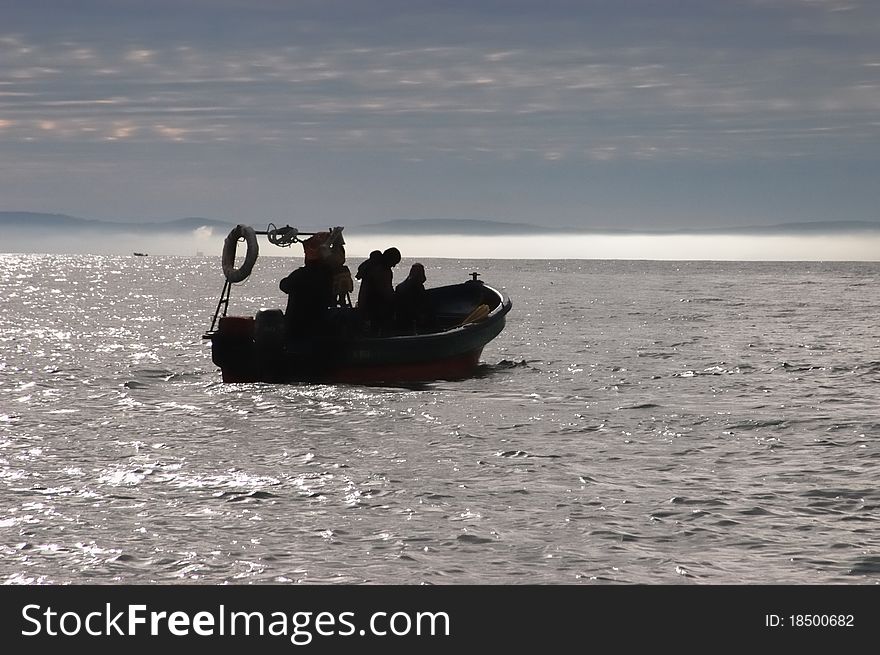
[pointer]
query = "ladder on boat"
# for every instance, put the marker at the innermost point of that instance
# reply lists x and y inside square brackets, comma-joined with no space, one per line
[222,304]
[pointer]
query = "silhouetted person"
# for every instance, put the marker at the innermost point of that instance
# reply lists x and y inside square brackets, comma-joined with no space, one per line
[376,295]
[375,259]
[309,292]
[409,301]
[343,285]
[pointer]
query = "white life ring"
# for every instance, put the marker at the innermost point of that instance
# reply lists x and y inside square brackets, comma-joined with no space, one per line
[241,273]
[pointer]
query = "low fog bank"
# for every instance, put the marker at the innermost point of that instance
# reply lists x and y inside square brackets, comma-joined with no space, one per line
[814,247]
[207,242]
[202,241]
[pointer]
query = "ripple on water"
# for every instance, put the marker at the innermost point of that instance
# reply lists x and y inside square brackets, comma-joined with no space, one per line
[639,409]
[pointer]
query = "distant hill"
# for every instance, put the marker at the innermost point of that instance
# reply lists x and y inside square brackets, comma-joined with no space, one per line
[426,227]
[490,228]
[815,227]
[193,223]
[35,220]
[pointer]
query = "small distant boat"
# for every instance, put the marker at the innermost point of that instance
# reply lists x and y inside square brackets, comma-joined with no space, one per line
[257,348]
[140,254]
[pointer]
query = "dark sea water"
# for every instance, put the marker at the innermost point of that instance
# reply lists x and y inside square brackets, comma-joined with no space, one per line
[636,422]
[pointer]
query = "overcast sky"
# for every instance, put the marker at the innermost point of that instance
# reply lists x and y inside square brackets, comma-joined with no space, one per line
[591,113]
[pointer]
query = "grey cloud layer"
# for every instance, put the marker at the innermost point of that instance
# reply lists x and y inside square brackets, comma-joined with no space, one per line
[551,101]
[597,112]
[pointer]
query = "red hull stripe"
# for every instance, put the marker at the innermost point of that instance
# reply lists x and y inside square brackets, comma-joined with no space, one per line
[454,368]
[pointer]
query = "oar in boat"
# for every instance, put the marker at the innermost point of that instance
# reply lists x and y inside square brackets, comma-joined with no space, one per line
[480,312]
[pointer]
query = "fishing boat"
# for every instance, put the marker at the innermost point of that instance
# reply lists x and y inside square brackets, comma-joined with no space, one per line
[260,348]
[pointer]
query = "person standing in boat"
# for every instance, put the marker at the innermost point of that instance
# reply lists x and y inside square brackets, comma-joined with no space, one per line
[309,292]
[409,301]
[376,294]
[375,259]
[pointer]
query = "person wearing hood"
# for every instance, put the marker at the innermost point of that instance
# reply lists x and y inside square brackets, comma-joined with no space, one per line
[376,294]
[409,301]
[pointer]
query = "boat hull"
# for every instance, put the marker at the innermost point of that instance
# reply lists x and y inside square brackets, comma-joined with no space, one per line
[258,350]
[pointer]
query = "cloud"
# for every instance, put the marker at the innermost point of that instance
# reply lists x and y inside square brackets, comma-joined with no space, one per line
[538,99]
[521,109]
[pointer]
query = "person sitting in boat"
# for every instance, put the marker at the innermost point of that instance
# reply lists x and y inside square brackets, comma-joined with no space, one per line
[309,295]
[376,294]
[409,301]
